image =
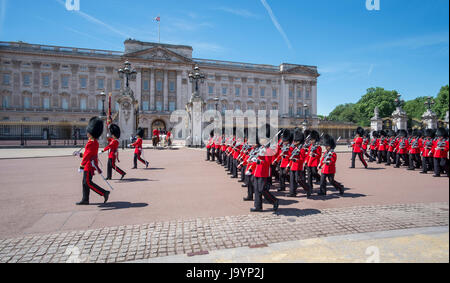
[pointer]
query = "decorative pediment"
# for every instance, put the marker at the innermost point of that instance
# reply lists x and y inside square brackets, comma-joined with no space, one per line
[159,54]
[301,70]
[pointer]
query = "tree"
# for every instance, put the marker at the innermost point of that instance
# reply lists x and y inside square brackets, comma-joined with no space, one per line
[415,108]
[442,100]
[343,113]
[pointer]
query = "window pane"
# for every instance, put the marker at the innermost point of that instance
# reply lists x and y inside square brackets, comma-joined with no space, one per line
[26,79]
[146,87]
[5,102]
[159,85]
[172,86]
[101,83]
[171,106]
[46,103]
[46,80]
[145,105]
[224,90]
[118,84]
[263,92]
[65,81]
[83,82]
[159,106]
[65,104]
[211,90]
[274,93]
[250,91]
[83,104]
[27,102]
[99,105]
[6,79]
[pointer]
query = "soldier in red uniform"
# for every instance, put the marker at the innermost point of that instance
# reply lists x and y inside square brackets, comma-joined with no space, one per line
[296,164]
[138,149]
[392,143]
[357,145]
[328,165]
[113,148]
[365,144]
[89,164]
[428,146]
[441,153]
[313,160]
[155,137]
[402,148]
[374,146]
[261,175]
[284,158]
[414,150]
[209,146]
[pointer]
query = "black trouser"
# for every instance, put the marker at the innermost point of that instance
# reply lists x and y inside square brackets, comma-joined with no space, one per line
[414,158]
[427,164]
[230,162]
[334,183]
[312,173]
[373,155]
[381,156]
[137,157]
[242,174]
[440,165]
[361,157]
[208,154]
[234,169]
[219,156]
[390,157]
[294,176]
[213,154]
[400,157]
[111,166]
[249,181]
[89,185]
[261,189]
[283,177]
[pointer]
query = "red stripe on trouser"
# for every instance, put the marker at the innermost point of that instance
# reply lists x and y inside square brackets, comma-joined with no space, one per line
[140,159]
[92,187]
[361,156]
[120,171]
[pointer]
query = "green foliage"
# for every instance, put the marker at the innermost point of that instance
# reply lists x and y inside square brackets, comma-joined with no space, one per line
[361,112]
[441,106]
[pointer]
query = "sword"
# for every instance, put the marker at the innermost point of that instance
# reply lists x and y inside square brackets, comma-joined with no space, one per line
[93,164]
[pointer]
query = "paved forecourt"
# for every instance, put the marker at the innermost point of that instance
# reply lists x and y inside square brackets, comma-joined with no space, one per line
[181,190]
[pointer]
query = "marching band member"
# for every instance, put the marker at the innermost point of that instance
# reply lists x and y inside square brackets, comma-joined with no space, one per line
[89,163]
[113,148]
[138,149]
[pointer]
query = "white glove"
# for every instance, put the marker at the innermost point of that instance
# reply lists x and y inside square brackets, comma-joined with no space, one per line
[79,170]
[100,152]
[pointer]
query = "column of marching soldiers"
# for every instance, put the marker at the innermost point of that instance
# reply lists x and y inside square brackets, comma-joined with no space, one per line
[297,157]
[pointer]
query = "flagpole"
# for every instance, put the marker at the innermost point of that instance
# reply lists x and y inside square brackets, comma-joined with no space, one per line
[159,31]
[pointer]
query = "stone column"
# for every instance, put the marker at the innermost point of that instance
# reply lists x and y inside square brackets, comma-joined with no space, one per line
[295,99]
[314,97]
[166,91]
[283,97]
[430,120]
[376,123]
[152,90]
[179,92]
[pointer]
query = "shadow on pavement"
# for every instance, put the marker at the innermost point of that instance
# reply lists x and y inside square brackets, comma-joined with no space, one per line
[296,212]
[154,169]
[121,205]
[134,180]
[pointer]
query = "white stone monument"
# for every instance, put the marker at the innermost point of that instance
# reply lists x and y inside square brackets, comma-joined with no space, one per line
[195,111]
[127,115]
[376,123]
[429,118]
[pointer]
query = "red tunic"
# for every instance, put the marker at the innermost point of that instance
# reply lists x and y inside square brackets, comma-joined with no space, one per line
[331,167]
[90,154]
[382,144]
[357,145]
[415,146]
[262,169]
[112,147]
[441,149]
[297,165]
[314,156]
[402,146]
[285,158]
[137,146]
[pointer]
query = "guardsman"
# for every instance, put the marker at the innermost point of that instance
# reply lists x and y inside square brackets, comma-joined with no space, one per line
[155,137]
[402,148]
[328,165]
[113,156]
[426,153]
[296,165]
[261,175]
[374,146]
[89,163]
[357,145]
[284,156]
[313,160]
[441,163]
[138,149]
[382,146]
[366,141]
[209,145]
[392,143]
[414,150]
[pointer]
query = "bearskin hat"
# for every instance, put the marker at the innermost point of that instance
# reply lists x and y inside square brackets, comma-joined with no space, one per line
[114,130]
[211,134]
[95,127]
[315,135]
[299,136]
[403,133]
[375,134]
[410,132]
[391,133]
[287,135]
[140,132]
[441,133]
[329,141]
[307,134]
[429,133]
[419,133]
[416,133]
[367,133]
[382,133]
[360,131]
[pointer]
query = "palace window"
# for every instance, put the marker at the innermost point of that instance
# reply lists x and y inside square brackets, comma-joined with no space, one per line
[210,90]
[26,80]
[26,102]
[65,104]
[171,106]
[46,103]
[250,92]
[308,94]
[224,91]
[99,105]
[238,91]
[118,84]
[274,93]
[263,92]
[6,79]
[159,106]
[83,104]
[5,102]
[100,84]
[299,93]
[159,85]
[65,81]
[145,106]
[146,85]
[172,86]
[83,82]
[46,80]
[291,93]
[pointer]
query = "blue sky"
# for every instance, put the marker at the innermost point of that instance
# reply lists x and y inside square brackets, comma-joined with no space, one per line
[403,46]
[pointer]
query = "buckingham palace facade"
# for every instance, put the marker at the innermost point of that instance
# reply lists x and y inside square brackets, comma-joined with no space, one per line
[58,85]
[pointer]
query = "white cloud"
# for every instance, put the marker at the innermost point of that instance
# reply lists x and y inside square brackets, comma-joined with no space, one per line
[370,69]
[276,23]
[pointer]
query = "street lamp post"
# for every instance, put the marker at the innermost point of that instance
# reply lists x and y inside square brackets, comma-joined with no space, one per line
[195,105]
[196,77]
[429,103]
[305,123]
[103,97]
[127,72]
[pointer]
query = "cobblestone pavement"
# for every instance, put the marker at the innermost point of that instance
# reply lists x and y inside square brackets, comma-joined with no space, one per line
[198,236]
